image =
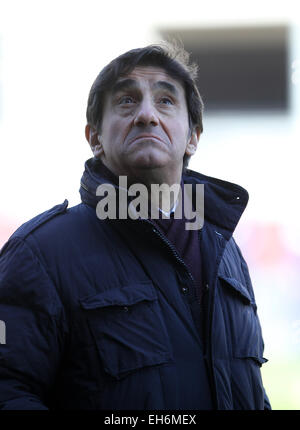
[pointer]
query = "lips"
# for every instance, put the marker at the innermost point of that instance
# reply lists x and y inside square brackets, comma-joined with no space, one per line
[145,136]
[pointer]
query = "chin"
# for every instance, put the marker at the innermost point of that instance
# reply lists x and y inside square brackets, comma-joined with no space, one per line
[150,160]
[148,163]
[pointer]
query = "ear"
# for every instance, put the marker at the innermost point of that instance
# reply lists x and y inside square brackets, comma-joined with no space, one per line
[193,141]
[93,137]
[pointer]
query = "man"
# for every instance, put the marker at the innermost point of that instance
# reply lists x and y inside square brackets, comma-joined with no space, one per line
[131,312]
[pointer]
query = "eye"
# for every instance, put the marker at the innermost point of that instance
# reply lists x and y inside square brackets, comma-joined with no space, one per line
[126,100]
[166,101]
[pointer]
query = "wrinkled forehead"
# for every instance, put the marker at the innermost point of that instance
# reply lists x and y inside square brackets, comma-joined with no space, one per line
[154,77]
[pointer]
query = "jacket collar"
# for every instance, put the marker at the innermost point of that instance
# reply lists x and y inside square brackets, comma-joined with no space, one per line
[224,202]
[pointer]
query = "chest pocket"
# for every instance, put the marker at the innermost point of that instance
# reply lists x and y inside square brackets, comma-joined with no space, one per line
[242,323]
[128,328]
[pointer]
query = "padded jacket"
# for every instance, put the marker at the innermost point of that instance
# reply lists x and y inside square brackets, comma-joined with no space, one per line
[101,314]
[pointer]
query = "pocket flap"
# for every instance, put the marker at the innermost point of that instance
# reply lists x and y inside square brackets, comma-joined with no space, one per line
[237,287]
[257,358]
[124,296]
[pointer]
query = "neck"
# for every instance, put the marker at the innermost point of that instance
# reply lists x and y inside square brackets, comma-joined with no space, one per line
[163,185]
[163,188]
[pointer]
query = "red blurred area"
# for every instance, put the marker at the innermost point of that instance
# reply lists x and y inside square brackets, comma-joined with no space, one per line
[7,227]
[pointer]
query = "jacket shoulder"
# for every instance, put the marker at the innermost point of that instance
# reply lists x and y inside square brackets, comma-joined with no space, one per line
[33,224]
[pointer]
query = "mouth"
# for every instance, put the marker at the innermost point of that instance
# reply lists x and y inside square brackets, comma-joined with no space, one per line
[146,137]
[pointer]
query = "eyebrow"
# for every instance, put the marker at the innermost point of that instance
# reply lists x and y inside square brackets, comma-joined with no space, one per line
[129,84]
[166,86]
[125,84]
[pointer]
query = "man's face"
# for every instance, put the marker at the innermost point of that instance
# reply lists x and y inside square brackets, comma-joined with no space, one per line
[145,123]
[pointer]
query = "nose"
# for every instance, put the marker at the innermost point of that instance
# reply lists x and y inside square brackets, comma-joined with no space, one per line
[146,114]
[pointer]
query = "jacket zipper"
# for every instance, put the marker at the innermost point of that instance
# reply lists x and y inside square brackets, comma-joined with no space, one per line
[210,310]
[169,245]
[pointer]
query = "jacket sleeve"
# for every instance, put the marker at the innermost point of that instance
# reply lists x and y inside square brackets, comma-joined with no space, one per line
[31,314]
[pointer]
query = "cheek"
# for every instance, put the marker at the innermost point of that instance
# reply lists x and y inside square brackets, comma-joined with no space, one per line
[113,135]
[179,133]
[178,125]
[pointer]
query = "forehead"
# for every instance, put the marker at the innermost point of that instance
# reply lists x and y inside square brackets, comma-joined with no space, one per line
[149,76]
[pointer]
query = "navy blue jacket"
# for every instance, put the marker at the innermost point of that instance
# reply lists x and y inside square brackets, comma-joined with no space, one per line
[101,314]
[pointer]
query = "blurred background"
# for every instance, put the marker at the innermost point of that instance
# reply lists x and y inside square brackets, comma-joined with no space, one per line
[249,76]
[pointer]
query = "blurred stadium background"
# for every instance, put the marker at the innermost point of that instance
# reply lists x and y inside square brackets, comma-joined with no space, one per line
[249,75]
